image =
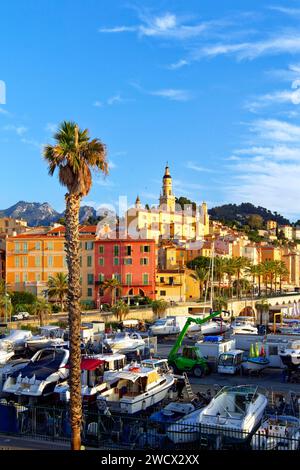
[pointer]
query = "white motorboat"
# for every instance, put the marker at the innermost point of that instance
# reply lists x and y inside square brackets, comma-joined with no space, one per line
[135,390]
[214,328]
[164,327]
[290,355]
[11,366]
[5,356]
[50,336]
[233,413]
[15,340]
[96,373]
[40,376]
[243,325]
[277,432]
[124,342]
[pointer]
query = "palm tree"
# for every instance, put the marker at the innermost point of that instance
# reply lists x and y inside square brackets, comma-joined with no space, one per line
[262,308]
[230,270]
[201,275]
[42,309]
[241,262]
[220,303]
[120,309]
[220,269]
[159,307]
[5,301]
[58,288]
[74,155]
[112,285]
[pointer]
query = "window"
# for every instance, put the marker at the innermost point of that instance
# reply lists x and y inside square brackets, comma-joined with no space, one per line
[128,261]
[25,277]
[50,245]
[116,250]
[37,246]
[101,249]
[25,247]
[116,261]
[17,278]
[101,277]
[50,261]
[117,276]
[17,262]
[128,279]
[90,292]
[145,279]
[37,261]
[101,261]
[146,248]
[89,261]
[144,261]
[25,262]
[17,247]
[162,293]
[90,279]
[89,245]
[128,250]
[161,279]
[37,277]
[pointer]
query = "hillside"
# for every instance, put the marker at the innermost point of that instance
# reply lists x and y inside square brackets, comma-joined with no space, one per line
[229,213]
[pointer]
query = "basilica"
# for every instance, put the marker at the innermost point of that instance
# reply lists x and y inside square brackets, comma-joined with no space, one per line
[168,220]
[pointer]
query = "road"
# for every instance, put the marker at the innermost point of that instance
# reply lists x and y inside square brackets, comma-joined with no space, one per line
[270,379]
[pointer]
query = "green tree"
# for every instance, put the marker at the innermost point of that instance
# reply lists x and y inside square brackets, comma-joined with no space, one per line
[159,307]
[58,288]
[75,156]
[120,309]
[220,303]
[201,275]
[112,285]
[42,309]
[255,221]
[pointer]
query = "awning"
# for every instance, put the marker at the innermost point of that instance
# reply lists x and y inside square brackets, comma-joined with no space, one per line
[89,364]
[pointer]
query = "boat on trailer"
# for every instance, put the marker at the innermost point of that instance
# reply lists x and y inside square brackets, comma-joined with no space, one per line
[234,413]
[39,377]
[135,390]
[277,432]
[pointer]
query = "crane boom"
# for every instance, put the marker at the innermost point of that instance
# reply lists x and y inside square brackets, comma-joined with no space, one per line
[198,321]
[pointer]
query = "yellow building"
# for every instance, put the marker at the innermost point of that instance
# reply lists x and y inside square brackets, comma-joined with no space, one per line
[287,231]
[271,225]
[178,285]
[9,225]
[270,253]
[167,221]
[34,257]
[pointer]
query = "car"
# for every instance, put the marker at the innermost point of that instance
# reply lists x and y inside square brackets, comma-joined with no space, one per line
[20,316]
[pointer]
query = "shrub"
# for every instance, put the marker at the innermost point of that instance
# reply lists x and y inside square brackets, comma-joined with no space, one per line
[55,308]
[22,298]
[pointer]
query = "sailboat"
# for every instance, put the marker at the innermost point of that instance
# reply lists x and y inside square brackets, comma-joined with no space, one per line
[256,360]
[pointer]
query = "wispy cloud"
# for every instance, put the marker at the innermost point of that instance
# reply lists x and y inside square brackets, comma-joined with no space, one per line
[167,25]
[172,94]
[4,112]
[196,167]
[112,100]
[282,43]
[286,10]
[19,130]
[51,127]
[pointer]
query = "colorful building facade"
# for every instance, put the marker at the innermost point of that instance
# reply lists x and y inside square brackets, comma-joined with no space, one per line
[131,262]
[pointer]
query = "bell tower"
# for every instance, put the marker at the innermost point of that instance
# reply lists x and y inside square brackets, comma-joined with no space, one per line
[167,197]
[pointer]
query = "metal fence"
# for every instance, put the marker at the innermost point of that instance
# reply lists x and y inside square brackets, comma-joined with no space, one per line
[132,432]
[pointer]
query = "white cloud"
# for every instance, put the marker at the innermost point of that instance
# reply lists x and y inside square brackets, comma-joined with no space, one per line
[283,43]
[178,65]
[4,111]
[167,25]
[19,130]
[50,127]
[172,94]
[98,104]
[195,167]
[273,129]
[287,11]
[115,99]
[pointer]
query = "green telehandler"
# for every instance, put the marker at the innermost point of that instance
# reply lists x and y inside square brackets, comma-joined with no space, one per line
[190,360]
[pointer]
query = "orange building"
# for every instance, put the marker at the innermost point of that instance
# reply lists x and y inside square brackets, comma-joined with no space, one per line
[32,258]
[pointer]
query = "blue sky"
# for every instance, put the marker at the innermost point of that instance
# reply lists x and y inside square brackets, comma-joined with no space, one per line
[212,87]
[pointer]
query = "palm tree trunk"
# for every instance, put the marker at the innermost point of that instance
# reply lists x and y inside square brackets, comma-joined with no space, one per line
[73,298]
